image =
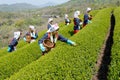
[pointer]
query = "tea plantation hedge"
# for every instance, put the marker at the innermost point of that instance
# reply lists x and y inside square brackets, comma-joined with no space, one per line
[67,62]
[114,73]
[25,54]
[67,31]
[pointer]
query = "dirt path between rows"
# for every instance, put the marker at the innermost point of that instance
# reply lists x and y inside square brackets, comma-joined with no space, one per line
[104,58]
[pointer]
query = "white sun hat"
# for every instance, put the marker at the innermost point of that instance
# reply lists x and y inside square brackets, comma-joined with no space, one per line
[50,19]
[31,27]
[76,14]
[53,28]
[66,16]
[88,9]
[17,34]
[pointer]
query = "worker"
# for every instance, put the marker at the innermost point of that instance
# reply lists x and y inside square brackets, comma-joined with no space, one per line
[13,43]
[53,36]
[31,35]
[67,20]
[87,17]
[77,22]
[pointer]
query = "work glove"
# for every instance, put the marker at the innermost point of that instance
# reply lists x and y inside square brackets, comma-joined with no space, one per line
[89,21]
[81,23]
[42,47]
[71,42]
[9,49]
[68,23]
[24,39]
[14,48]
[33,35]
[79,27]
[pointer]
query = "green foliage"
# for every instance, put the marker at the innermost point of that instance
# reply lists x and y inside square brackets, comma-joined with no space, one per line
[66,31]
[14,60]
[21,44]
[13,21]
[16,7]
[33,21]
[114,73]
[22,19]
[19,23]
[95,4]
[3,52]
[67,62]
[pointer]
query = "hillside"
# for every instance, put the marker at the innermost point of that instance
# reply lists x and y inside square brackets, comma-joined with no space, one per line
[95,4]
[16,7]
[63,62]
[96,54]
[20,20]
[29,52]
[68,62]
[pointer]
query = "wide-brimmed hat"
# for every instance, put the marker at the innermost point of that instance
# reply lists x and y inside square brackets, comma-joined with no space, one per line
[50,19]
[66,16]
[53,28]
[17,34]
[76,14]
[88,9]
[32,27]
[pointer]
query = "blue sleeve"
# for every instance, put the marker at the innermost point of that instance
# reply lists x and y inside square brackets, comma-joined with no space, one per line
[67,20]
[61,38]
[43,38]
[36,35]
[14,42]
[77,21]
[86,17]
[48,26]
